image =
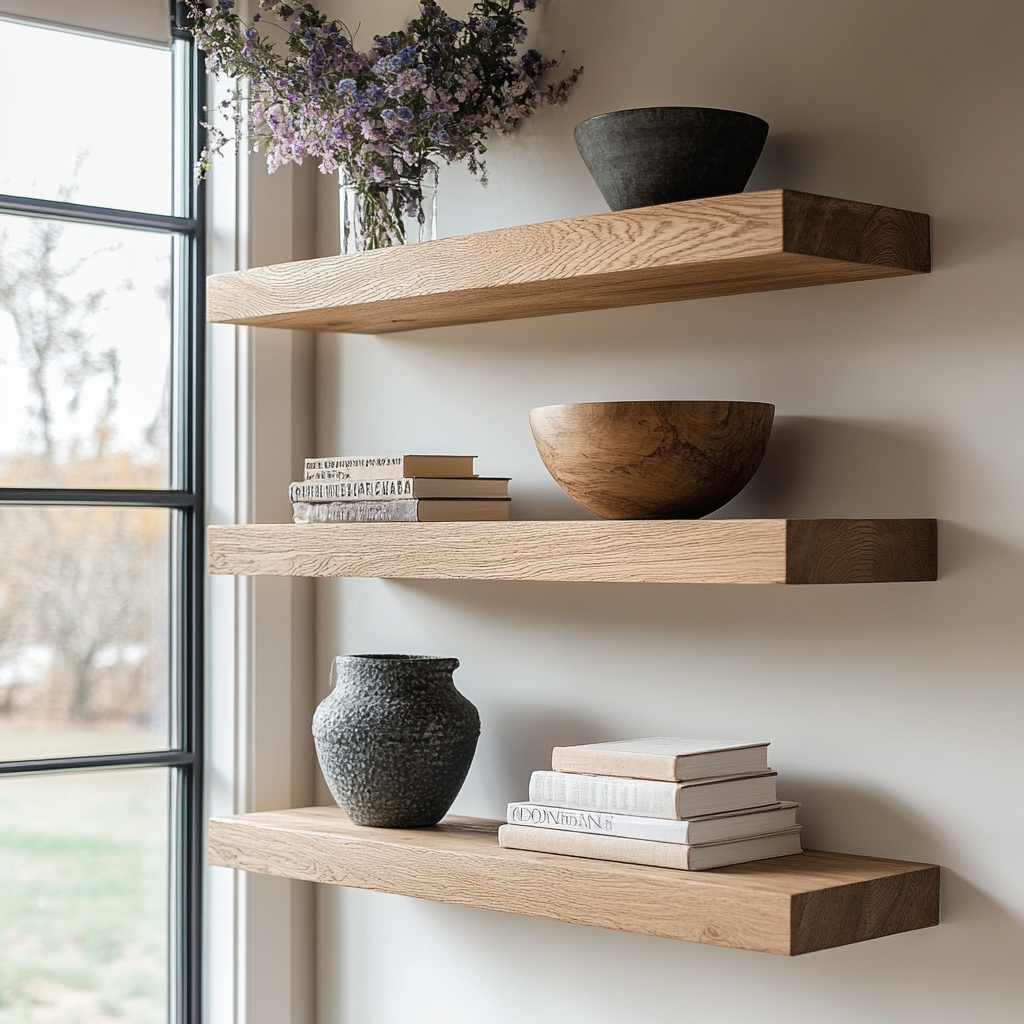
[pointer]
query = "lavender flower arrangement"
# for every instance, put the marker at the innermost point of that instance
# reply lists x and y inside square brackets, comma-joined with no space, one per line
[434,90]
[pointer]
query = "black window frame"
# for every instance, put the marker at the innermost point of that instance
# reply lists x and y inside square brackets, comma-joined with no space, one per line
[185,759]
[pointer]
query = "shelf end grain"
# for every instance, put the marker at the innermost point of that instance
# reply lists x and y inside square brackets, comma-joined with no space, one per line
[861,550]
[857,233]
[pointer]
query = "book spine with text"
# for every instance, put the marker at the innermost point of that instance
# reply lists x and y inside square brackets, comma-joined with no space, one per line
[784,843]
[664,830]
[342,474]
[378,467]
[596,847]
[603,793]
[352,490]
[709,828]
[404,510]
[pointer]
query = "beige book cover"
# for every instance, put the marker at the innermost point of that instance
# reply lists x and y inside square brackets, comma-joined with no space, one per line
[383,467]
[643,851]
[663,758]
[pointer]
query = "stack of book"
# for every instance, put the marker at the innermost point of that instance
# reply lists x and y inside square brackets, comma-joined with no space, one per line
[662,801]
[397,489]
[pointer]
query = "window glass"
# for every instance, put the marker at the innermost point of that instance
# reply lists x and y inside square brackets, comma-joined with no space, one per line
[84,859]
[100,385]
[85,120]
[84,623]
[85,355]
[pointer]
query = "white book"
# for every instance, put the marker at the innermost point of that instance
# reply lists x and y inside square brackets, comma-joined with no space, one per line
[398,487]
[384,467]
[709,828]
[404,510]
[649,799]
[641,851]
[668,758]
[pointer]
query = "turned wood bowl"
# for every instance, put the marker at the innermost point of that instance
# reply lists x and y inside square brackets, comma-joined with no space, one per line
[652,460]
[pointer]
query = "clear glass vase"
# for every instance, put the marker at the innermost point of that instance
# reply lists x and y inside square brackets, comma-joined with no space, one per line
[396,212]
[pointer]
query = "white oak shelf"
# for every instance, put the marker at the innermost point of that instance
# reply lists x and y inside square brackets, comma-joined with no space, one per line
[790,905]
[749,242]
[641,551]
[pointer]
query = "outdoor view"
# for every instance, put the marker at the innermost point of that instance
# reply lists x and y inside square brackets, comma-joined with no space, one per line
[83,902]
[87,393]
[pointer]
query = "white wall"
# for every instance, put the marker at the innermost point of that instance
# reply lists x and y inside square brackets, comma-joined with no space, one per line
[895,711]
[258,942]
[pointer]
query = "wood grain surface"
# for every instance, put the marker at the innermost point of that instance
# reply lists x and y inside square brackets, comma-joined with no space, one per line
[641,551]
[753,241]
[652,460]
[789,905]
[861,550]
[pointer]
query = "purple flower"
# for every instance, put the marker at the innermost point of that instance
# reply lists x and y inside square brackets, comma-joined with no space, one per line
[438,87]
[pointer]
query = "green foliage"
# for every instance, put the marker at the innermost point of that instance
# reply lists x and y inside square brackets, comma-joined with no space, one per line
[81,918]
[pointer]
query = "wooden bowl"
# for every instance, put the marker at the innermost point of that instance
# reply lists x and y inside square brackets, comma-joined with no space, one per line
[652,460]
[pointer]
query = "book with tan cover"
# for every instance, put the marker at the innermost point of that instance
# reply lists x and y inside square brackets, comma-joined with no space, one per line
[384,467]
[642,851]
[663,758]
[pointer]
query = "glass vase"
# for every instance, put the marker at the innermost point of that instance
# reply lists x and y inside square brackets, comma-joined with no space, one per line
[375,215]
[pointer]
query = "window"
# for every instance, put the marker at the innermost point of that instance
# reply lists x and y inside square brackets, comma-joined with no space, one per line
[101,509]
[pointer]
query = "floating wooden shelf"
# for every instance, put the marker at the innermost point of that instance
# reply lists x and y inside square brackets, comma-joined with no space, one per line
[610,551]
[750,242]
[789,905]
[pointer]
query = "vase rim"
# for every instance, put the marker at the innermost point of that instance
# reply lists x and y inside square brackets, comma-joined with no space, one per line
[395,657]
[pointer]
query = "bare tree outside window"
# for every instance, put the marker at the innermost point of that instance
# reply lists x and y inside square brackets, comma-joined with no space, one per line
[83,590]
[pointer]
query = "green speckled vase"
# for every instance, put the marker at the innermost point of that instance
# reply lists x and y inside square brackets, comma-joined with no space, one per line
[395,738]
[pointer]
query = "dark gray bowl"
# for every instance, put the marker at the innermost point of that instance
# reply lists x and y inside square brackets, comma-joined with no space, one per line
[658,155]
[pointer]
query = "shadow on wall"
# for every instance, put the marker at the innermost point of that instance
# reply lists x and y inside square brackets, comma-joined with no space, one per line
[784,156]
[973,613]
[844,469]
[545,501]
[520,740]
[813,467]
[956,958]
[858,819]
[968,964]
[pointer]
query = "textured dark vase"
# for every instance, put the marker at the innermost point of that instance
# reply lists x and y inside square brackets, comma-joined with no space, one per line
[395,738]
[658,155]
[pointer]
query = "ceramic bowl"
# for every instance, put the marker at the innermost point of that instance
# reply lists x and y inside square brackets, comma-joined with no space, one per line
[652,460]
[670,154]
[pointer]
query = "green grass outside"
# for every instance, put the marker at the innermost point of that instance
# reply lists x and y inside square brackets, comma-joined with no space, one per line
[83,898]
